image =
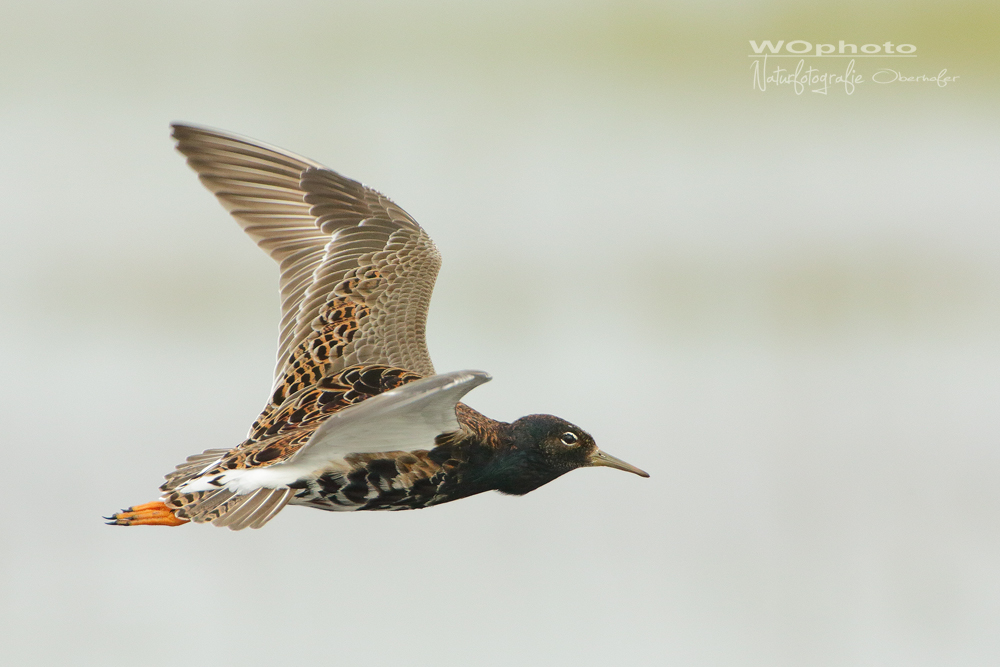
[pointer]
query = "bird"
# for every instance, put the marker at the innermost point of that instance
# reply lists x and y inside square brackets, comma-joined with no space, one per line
[357,418]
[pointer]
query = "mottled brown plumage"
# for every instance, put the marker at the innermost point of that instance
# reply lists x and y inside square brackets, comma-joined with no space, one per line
[357,418]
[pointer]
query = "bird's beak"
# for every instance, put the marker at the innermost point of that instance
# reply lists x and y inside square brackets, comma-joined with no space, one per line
[599,458]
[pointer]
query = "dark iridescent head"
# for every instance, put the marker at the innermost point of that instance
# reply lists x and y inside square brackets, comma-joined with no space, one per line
[546,447]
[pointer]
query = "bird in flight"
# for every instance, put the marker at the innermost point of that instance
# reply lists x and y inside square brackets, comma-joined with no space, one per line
[357,418]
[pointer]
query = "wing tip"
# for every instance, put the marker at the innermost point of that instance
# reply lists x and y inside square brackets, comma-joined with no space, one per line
[184,132]
[181,130]
[475,378]
[481,376]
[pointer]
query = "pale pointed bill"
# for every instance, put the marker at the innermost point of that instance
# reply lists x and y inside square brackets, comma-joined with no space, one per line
[600,458]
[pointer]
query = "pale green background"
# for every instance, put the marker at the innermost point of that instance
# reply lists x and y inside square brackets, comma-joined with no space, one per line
[785,308]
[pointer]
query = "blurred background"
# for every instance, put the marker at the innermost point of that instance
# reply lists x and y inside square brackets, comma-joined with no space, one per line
[785,307]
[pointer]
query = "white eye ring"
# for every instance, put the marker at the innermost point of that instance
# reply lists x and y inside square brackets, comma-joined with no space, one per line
[569,438]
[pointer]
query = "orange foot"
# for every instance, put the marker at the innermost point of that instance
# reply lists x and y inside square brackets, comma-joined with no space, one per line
[149,514]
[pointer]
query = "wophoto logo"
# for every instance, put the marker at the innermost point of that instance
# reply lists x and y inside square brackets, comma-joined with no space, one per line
[799,47]
[811,78]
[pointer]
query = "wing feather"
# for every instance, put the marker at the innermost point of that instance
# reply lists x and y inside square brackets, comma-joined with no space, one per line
[410,417]
[357,271]
[356,276]
[407,418]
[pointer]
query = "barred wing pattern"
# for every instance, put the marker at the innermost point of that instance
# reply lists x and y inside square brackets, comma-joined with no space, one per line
[357,274]
[357,271]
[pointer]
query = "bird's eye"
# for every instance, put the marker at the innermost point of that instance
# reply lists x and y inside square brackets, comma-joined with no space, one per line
[569,438]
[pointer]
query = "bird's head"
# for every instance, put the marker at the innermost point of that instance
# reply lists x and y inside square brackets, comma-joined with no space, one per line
[547,447]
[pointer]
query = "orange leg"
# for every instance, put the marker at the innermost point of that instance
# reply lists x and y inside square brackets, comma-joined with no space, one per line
[148,514]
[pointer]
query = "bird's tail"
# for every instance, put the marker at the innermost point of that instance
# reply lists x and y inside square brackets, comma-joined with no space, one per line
[220,507]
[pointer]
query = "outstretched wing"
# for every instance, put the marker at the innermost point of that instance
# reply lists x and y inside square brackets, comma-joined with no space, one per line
[404,419]
[356,271]
[409,418]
